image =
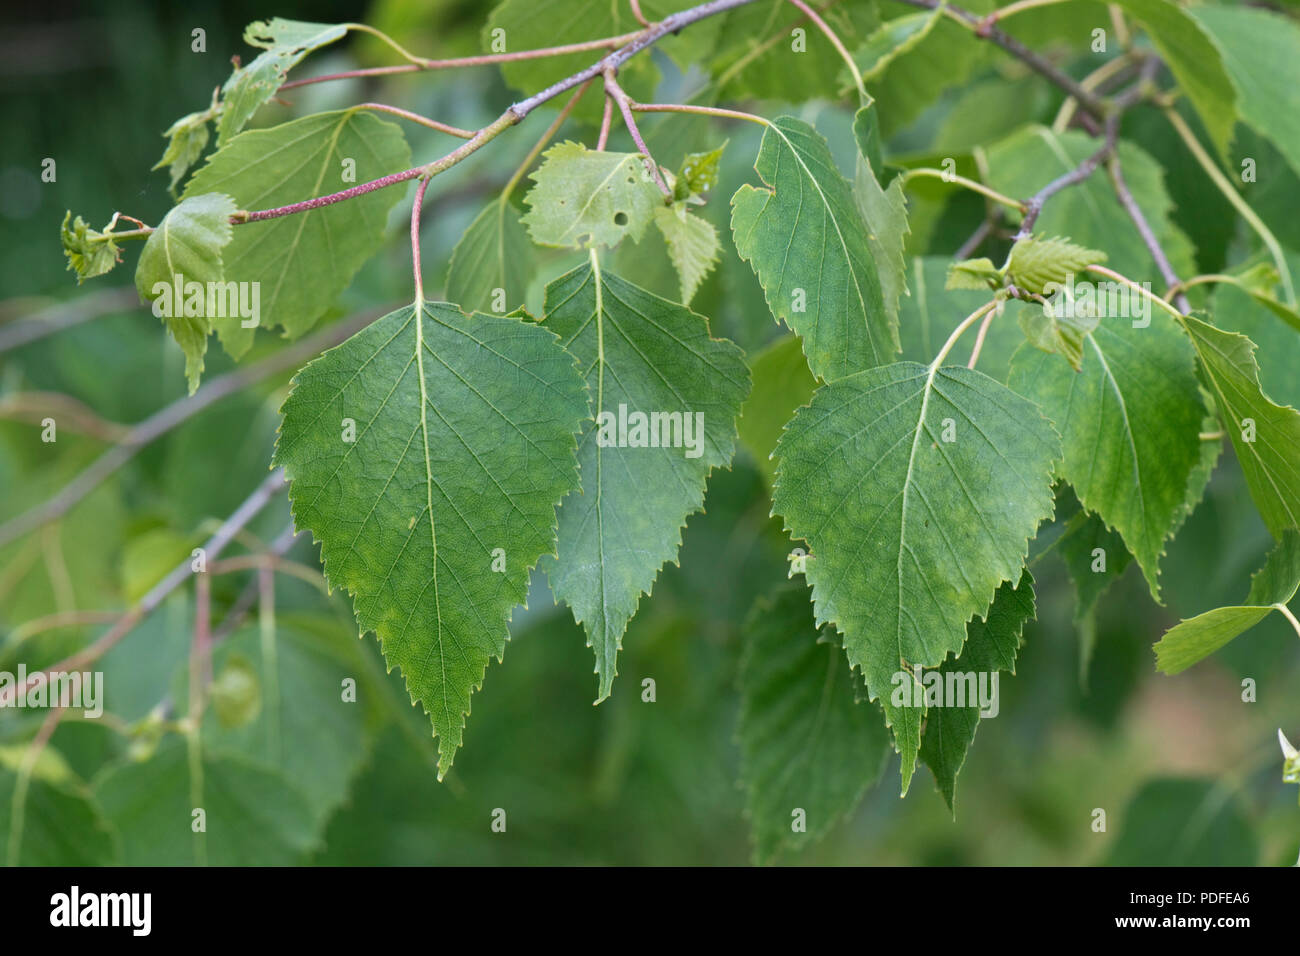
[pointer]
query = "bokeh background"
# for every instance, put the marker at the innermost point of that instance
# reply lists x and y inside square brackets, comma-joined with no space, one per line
[1186,770]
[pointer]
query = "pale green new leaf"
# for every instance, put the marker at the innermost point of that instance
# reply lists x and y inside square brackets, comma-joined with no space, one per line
[806,742]
[1259,49]
[1266,435]
[991,648]
[585,198]
[692,245]
[1061,332]
[189,245]
[1130,422]
[462,445]
[883,210]
[912,534]
[90,252]
[493,254]
[698,173]
[640,355]
[1195,61]
[973,274]
[1041,266]
[285,43]
[302,262]
[811,250]
[186,139]
[1195,639]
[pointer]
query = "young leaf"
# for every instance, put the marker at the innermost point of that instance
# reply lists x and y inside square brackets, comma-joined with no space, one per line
[992,644]
[698,174]
[188,246]
[1195,639]
[918,489]
[806,742]
[1130,423]
[427,454]
[883,210]
[585,198]
[1059,331]
[186,139]
[302,262]
[1041,266]
[90,252]
[1195,61]
[692,245]
[1259,50]
[285,43]
[651,361]
[973,274]
[493,254]
[1265,435]
[810,248]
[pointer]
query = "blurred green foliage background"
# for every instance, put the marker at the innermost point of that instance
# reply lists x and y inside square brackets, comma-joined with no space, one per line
[627,782]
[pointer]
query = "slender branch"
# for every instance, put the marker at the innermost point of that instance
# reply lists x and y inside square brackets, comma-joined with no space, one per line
[64,315]
[249,596]
[1094,81]
[415,242]
[965,324]
[615,92]
[715,111]
[36,406]
[241,516]
[1126,281]
[925,171]
[1010,10]
[976,238]
[979,338]
[1034,206]
[606,121]
[636,12]
[421,65]
[1230,193]
[1038,64]
[165,419]
[417,118]
[1144,230]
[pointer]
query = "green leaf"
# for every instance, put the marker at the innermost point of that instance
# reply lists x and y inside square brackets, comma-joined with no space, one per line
[892,39]
[188,246]
[302,262]
[253,816]
[304,727]
[90,252]
[973,274]
[1266,436]
[698,174]
[991,647]
[1260,283]
[1060,332]
[1130,422]
[883,210]
[493,254]
[641,356]
[912,533]
[1184,823]
[463,445]
[61,825]
[186,139]
[285,43]
[1192,640]
[692,245]
[1259,49]
[782,383]
[945,55]
[1042,266]
[810,248]
[806,742]
[586,198]
[1195,61]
